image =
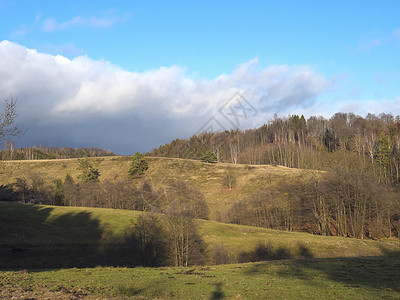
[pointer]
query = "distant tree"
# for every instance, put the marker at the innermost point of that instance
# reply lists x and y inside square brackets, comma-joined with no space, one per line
[147,199]
[7,120]
[185,198]
[39,189]
[10,149]
[68,191]
[58,195]
[220,254]
[229,178]
[186,245]
[89,173]
[208,156]
[150,234]
[383,153]
[138,166]
[21,186]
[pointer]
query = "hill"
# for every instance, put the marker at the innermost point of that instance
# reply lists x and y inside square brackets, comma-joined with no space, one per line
[370,144]
[35,236]
[207,178]
[342,201]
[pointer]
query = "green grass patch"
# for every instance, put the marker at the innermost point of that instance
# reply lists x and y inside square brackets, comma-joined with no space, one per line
[334,278]
[36,236]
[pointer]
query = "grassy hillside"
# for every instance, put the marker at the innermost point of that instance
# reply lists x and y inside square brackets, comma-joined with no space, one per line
[43,236]
[34,236]
[208,178]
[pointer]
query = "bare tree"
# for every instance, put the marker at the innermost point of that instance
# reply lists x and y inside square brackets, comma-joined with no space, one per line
[7,120]
[186,245]
[152,240]
[229,178]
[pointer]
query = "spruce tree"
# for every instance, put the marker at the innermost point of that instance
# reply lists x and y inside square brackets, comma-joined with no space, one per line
[89,173]
[138,166]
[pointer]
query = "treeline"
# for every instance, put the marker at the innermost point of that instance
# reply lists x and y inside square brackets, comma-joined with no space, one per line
[121,194]
[347,201]
[317,143]
[173,239]
[166,235]
[11,152]
[341,203]
[167,238]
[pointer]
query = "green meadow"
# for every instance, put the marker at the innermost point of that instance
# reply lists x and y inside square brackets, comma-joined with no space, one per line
[67,252]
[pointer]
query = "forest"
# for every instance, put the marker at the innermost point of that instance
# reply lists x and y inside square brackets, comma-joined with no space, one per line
[371,144]
[12,152]
[358,195]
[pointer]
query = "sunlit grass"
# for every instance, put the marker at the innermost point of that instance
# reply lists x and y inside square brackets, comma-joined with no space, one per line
[208,178]
[55,226]
[355,278]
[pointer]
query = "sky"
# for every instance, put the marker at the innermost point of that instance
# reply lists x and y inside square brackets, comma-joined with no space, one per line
[132,75]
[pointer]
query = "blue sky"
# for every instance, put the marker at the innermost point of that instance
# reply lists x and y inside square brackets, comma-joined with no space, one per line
[157,70]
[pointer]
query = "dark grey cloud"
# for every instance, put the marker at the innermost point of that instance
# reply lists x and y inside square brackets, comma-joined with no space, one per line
[84,102]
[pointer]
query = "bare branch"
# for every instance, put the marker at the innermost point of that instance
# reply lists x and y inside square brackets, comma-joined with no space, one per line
[7,120]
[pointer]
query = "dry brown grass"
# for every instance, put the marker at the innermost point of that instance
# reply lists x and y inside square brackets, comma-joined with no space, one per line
[208,178]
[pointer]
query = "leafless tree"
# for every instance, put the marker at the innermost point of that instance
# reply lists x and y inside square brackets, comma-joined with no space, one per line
[7,120]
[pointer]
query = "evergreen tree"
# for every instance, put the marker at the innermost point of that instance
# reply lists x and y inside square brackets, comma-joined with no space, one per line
[383,153]
[208,156]
[138,166]
[89,173]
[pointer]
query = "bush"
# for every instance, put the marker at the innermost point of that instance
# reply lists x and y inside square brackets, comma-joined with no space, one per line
[220,254]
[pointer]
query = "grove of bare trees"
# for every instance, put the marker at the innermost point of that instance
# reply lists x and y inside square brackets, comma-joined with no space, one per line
[371,143]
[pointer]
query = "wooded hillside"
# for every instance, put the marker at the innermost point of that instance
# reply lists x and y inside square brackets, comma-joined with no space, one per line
[371,144]
[343,202]
[11,152]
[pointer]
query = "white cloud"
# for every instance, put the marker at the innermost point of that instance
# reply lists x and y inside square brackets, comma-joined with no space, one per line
[82,101]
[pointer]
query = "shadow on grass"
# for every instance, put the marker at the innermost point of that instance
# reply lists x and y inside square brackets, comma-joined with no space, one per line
[7,193]
[379,272]
[217,293]
[32,238]
[264,252]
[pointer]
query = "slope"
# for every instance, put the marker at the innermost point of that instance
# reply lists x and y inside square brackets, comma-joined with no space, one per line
[208,178]
[34,236]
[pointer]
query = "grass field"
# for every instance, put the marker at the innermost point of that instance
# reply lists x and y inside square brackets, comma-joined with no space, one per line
[208,178]
[37,238]
[333,278]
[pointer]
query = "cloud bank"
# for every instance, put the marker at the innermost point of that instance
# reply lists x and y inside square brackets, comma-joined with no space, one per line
[86,102]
